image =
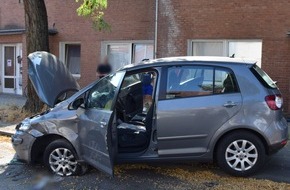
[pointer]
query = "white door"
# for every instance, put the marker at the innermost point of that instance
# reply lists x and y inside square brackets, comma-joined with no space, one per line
[9,67]
[12,77]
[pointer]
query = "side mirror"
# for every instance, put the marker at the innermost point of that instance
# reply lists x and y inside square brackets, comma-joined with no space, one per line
[77,103]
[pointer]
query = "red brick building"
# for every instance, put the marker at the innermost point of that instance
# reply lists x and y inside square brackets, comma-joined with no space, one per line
[254,29]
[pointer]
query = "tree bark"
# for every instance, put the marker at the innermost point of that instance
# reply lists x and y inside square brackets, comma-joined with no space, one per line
[36,24]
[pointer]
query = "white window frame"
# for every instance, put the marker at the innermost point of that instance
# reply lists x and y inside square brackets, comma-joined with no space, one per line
[225,42]
[62,54]
[105,44]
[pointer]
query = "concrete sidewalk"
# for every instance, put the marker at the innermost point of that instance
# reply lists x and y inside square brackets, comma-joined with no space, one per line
[12,99]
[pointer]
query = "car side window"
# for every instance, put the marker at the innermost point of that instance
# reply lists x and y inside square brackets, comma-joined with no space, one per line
[225,82]
[102,94]
[188,81]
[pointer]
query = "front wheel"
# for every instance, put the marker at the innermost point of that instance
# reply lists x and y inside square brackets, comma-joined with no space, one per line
[240,153]
[61,158]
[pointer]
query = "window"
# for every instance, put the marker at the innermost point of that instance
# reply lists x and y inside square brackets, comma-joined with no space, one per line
[251,49]
[124,53]
[142,51]
[263,77]
[102,94]
[70,55]
[208,49]
[190,81]
[224,82]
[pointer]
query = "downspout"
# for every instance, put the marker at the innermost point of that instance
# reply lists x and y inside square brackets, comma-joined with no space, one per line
[156,28]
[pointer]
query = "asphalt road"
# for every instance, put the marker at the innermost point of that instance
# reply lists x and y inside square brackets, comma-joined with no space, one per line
[277,167]
[16,175]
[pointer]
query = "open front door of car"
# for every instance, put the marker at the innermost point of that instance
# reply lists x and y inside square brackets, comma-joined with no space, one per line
[97,125]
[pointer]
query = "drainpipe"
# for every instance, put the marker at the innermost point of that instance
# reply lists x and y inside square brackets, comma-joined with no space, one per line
[156,30]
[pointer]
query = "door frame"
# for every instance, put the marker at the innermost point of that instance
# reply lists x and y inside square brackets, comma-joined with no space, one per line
[17,76]
[8,90]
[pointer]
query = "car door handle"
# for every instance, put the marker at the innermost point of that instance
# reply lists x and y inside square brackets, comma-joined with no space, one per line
[229,104]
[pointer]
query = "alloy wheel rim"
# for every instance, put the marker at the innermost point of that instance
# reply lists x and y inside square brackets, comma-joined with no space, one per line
[62,162]
[241,155]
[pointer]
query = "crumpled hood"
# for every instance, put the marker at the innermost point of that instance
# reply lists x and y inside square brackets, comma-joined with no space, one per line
[50,77]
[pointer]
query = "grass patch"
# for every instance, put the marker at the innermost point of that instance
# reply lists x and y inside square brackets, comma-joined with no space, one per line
[12,114]
[5,139]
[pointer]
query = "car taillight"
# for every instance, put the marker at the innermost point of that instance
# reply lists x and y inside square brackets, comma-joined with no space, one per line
[274,102]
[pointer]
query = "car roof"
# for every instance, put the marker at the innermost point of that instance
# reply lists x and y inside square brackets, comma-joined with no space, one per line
[170,61]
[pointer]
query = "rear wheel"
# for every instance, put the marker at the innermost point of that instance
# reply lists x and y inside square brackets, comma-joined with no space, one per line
[240,153]
[61,158]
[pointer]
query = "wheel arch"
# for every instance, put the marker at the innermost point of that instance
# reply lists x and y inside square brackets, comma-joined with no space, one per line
[259,135]
[40,144]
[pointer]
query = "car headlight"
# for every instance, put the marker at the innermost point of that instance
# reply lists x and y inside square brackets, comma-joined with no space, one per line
[24,127]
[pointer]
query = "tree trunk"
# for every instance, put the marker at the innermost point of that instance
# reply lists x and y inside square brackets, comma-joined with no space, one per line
[36,25]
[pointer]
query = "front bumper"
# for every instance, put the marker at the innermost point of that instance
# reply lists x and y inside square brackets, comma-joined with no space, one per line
[22,143]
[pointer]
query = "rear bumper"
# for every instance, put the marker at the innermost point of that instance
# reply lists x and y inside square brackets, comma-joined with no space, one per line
[276,147]
[277,135]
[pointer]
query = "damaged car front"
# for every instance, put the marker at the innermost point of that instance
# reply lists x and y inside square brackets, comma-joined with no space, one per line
[53,83]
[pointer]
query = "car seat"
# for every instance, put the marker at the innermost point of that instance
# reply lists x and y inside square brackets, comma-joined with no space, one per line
[229,85]
[135,134]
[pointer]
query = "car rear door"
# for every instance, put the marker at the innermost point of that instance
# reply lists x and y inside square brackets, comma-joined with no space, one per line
[97,127]
[193,106]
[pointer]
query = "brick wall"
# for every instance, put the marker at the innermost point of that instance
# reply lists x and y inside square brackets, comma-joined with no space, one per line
[235,19]
[179,20]
[11,14]
[129,20]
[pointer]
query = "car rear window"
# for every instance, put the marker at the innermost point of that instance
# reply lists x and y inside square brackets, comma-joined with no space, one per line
[263,77]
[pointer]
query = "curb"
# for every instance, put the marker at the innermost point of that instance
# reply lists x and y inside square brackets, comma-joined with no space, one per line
[5,133]
[7,130]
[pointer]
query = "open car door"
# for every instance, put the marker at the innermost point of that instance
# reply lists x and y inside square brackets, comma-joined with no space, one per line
[97,126]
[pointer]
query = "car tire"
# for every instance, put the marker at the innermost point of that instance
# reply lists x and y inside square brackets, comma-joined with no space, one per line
[61,158]
[240,153]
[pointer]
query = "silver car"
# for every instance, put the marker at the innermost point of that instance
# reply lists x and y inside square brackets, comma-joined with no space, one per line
[226,110]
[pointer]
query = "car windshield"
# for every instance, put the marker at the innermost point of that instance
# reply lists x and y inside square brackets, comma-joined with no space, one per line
[263,77]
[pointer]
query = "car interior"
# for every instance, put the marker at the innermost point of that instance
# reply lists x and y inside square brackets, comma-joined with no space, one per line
[135,102]
[134,110]
[198,82]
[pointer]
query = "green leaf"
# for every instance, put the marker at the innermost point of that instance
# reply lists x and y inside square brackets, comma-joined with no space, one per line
[94,9]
